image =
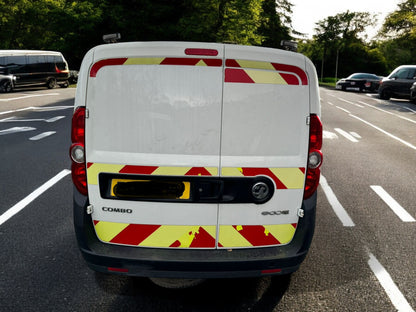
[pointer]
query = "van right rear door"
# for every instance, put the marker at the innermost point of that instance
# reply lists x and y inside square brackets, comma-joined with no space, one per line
[265,134]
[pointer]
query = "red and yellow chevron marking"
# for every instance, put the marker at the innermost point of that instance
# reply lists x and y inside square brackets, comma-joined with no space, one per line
[245,71]
[233,236]
[162,236]
[184,61]
[188,236]
[93,169]
[284,178]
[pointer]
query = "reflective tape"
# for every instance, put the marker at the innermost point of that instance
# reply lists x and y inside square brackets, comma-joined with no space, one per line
[236,71]
[233,236]
[177,61]
[247,71]
[161,236]
[93,170]
[197,236]
[284,178]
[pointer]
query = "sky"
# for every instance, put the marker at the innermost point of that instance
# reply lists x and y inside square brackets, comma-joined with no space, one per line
[308,12]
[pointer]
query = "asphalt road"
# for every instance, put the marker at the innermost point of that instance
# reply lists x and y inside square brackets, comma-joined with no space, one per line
[362,257]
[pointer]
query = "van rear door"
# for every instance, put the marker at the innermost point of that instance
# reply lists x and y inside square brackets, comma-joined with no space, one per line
[265,133]
[153,129]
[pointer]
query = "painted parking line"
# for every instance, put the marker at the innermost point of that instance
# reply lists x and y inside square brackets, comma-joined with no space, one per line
[352,103]
[37,108]
[336,205]
[393,204]
[27,96]
[346,135]
[391,289]
[42,136]
[385,132]
[16,130]
[32,196]
[18,119]
[390,113]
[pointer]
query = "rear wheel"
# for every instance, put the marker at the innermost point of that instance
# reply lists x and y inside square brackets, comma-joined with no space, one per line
[51,83]
[385,94]
[65,84]
[6,86]
[176,283]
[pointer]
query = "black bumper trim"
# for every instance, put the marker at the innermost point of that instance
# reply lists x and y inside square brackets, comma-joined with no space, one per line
[193,263]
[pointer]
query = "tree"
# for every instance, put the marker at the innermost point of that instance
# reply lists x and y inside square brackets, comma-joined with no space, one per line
[401,22]
[275,22]
[338,40]
[222,21]
[399,33]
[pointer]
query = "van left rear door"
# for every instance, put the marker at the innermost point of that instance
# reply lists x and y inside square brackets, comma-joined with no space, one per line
[153,128]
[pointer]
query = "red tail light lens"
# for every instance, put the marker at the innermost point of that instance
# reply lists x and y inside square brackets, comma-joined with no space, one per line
[78,126]
[79,177]
[315,156]
[315,133]
[77,151]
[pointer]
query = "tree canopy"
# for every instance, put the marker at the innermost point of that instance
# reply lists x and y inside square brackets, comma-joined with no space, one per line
[338,48]
[73,27]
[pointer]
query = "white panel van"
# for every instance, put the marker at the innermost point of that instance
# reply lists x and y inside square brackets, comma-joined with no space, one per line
[195,160]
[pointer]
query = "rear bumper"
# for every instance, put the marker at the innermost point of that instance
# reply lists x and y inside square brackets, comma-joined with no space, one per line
[191,263]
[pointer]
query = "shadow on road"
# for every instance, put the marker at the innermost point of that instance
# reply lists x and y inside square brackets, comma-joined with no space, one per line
[140,294]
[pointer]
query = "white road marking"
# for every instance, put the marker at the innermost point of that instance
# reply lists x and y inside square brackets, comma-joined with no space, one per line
[336,205]
[42,135]
[391,289]
[355,135]
[349,102]
[385,132]
[343,109]
[329,135]
[387,112]
[53,119]
[27,96]
[16,119]
[16,130]
[346,135]
[393,204]
[410,109]
[35,108]
[32,196]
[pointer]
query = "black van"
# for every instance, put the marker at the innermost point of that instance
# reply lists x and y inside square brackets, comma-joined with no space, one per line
[35,68]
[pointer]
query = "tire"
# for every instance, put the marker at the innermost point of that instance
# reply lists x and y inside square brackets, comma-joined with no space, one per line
[173,283]
[6,86]
[51,83]
[385,94]
[65,84]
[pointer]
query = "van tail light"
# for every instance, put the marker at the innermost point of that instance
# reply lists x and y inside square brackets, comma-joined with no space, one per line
[77,151]
[315,156]
[61,71]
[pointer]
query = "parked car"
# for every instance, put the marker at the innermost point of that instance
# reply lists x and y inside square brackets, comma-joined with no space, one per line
[398,83]
[6,81]
[73,76]
[360,81]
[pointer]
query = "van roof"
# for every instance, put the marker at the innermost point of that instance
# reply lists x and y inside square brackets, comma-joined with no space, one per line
[28,52]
